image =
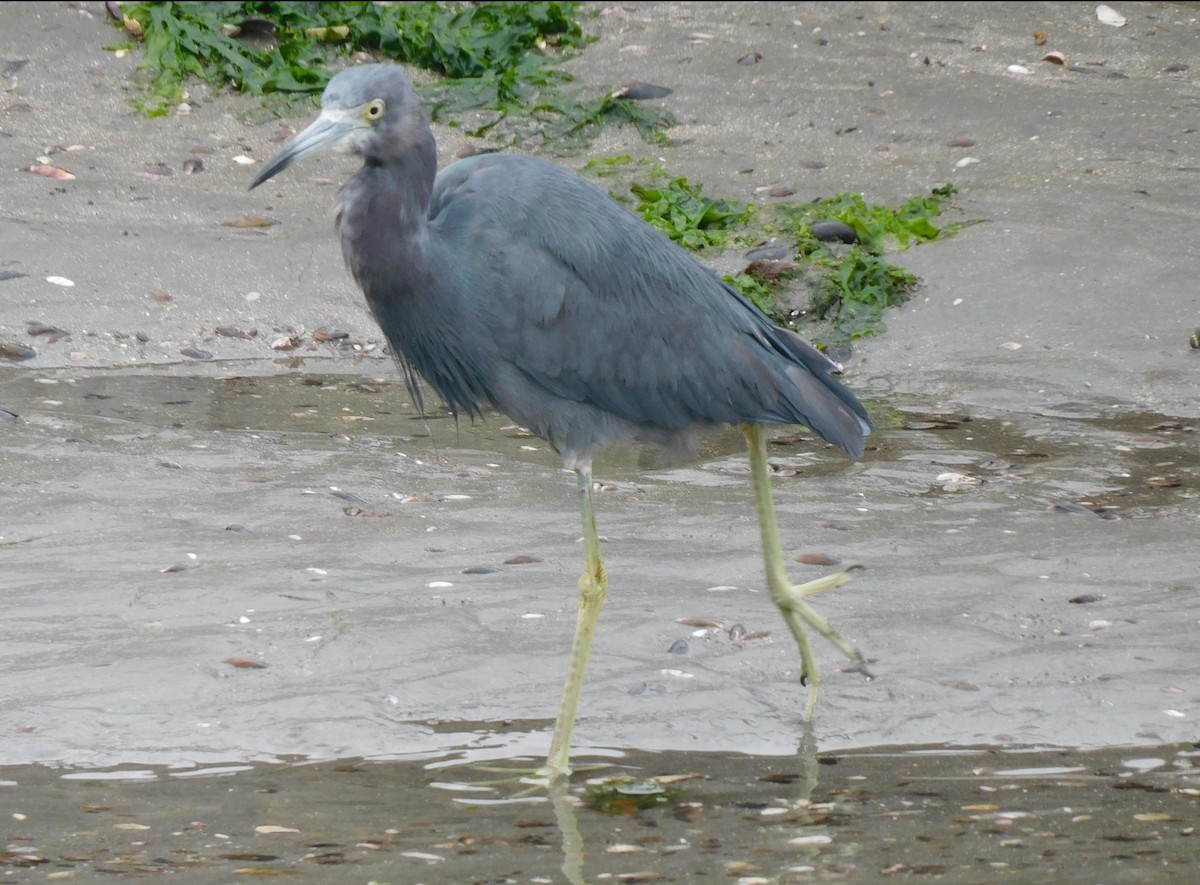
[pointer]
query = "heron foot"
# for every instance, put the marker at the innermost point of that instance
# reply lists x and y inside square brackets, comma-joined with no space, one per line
[829,582]
[792,600]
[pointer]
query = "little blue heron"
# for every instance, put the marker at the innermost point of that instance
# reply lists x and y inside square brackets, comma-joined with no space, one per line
[509,283]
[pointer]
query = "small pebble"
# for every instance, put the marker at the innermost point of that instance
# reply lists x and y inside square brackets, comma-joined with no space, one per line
[834,231]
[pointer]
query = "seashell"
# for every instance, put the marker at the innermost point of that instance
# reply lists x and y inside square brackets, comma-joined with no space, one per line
[51,172]
[1106,15]
[248,221]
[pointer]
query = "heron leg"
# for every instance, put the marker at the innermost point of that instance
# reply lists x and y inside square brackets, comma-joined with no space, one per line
[591,597]
[791,597]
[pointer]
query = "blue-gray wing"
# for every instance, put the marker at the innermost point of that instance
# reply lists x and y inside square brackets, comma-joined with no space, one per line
[567,297]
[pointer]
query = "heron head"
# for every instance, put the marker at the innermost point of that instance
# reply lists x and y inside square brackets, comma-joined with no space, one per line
[369,110]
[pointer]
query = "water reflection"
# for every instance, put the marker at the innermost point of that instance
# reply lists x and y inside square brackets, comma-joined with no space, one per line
[1042,814]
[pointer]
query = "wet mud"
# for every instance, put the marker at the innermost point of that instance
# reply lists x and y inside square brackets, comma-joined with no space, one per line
[386,570]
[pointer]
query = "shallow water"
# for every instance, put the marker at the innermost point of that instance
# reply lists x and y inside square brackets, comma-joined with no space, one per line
[964,815]
[162,533]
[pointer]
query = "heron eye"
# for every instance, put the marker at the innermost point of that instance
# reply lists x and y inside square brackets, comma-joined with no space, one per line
[374,110]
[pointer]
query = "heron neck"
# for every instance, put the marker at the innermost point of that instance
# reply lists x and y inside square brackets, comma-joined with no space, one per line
[404,187]
[383,211]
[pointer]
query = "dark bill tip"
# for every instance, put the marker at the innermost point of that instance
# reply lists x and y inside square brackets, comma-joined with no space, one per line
[324,132]
[273,167]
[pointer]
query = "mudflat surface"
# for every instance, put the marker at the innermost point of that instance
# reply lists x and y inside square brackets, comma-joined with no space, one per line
[1027,515]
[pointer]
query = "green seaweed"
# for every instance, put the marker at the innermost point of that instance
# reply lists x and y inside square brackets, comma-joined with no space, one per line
[680,211]
[852,285]
[495,57]
[855,284]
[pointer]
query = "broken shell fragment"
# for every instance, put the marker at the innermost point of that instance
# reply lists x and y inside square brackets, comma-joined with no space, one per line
[817,559]
[248,221]
[12,350]
[1164,482]
[54,173]
[323,334]
[1106,15]
[699,622]
[637,91]
[235,332]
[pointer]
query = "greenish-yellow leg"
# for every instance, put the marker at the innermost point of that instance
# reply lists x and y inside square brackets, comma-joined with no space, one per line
[788,596]
[591,598]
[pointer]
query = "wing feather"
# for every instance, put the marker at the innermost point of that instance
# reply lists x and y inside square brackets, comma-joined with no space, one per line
[593,306]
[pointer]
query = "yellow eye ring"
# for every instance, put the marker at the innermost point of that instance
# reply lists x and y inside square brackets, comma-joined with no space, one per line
[374,109]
